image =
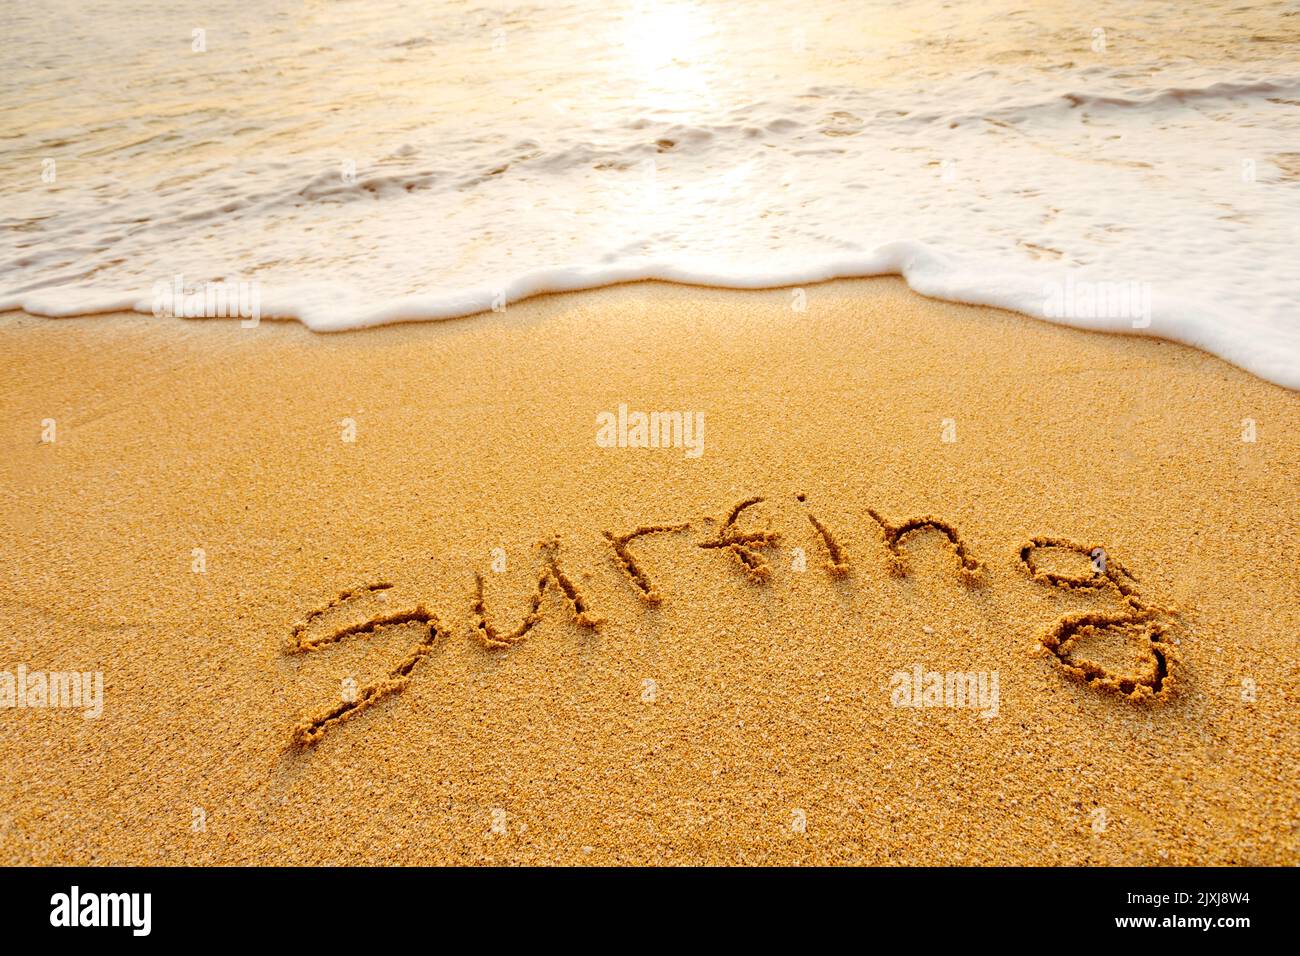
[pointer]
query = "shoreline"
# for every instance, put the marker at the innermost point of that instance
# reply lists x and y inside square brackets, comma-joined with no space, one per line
[688,675]
[1062,299]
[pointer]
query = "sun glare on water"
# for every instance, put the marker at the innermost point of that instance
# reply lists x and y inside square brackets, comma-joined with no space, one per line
[667,50]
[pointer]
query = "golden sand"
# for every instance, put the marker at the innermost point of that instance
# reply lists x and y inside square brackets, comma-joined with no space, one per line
[699,662]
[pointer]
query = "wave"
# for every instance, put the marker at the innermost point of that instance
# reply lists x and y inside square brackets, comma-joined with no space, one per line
[1061,206]
[1265,351]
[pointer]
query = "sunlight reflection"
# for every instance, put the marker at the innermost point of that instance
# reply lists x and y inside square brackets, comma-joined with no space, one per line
[669,48]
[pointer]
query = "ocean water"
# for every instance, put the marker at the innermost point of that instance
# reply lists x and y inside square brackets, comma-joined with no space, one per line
[1130,165]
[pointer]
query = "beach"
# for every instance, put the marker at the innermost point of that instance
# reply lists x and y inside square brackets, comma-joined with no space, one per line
[249,531]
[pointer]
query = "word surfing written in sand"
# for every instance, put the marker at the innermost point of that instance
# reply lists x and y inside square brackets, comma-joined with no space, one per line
[1138,620]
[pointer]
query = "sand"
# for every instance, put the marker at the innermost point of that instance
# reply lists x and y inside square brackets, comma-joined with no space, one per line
[322,682]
